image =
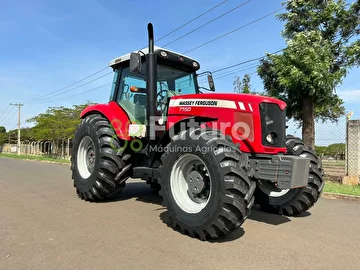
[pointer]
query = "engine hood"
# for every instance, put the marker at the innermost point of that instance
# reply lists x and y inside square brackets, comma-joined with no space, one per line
[234,97]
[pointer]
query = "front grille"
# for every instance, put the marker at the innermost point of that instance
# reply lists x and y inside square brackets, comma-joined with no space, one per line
[273,120]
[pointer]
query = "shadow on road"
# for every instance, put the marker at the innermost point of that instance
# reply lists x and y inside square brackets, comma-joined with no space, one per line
[143,193]
[272,219]
[139,190]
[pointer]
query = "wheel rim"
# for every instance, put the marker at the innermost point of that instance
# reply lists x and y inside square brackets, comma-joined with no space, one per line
[86,157]
[190,183]
[271,190]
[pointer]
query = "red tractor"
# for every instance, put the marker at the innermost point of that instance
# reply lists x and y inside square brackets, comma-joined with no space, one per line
[211,156]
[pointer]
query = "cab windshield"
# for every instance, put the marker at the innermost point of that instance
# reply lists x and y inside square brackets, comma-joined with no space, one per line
[170,82]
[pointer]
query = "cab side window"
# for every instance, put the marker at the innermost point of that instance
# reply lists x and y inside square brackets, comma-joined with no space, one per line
[114,84]
[133,103]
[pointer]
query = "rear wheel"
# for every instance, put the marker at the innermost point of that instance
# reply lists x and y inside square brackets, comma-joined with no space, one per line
[99,166]
[293,201]
[204,184]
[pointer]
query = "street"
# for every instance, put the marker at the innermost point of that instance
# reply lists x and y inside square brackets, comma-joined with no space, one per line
[44,225]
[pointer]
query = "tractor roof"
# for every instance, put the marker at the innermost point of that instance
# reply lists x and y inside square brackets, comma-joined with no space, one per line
[126,57]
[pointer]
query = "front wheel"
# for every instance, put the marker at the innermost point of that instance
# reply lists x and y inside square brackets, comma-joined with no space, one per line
[99,166]
[204,184]
[293,201]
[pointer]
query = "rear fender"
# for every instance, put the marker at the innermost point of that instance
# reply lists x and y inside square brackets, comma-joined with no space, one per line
[115,115]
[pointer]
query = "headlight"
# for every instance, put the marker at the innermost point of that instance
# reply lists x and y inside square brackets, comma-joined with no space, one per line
[271,138]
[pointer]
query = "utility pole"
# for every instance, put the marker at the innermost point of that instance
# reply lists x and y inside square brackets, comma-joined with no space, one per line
[18,138]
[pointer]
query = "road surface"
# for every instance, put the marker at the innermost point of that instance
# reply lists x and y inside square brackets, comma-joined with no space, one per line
[43,225]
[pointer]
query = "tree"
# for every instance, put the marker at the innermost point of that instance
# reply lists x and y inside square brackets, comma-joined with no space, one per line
[336,149]
[321,150]
[2,135]
[242,86]
[55,123]
[319,52]
[332,150]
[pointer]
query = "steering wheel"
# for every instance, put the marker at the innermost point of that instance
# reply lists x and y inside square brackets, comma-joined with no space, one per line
[161,96]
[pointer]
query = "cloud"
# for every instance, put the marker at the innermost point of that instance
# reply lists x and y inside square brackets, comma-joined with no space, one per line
[350,96]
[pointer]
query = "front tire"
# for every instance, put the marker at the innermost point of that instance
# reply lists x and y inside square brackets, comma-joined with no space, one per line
[98,163]
[293,201]
[204,184]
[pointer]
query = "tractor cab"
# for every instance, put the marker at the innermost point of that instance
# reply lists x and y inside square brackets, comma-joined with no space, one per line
[176,75]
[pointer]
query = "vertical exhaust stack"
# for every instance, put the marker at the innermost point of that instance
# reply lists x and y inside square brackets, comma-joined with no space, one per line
[151,78]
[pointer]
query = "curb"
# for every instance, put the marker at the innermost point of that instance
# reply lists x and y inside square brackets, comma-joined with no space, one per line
[335,196]
[37,160]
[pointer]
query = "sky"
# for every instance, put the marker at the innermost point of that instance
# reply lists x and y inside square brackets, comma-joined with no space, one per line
[46,45]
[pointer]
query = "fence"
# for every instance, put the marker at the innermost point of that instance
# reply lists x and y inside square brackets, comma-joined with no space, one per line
[60,148]
[338,146]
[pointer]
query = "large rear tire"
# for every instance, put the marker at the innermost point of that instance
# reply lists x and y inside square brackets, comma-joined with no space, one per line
[293,201]
[99,165]
[204,184]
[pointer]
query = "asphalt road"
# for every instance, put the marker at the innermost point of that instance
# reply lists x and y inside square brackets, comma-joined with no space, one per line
[43,225]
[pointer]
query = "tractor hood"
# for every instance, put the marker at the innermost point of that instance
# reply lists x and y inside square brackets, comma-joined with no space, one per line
[224,100]
[251,117]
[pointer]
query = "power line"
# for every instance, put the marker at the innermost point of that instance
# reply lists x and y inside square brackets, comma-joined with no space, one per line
[209,22]
[192,20]
[87,91]
[72,89]
[225,74]
[236,69]
[50,95]
[246,61]
[252,60]
[77,94]
[237,29]
[231,72]
[4,118]
[66,87]
[4,112]
[234,72]
[8,119]
[241,63]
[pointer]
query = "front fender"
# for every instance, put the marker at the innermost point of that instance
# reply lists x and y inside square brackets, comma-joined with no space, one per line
[115,115]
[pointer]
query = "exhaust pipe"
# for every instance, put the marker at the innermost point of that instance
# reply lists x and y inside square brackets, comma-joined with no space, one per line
[151,79]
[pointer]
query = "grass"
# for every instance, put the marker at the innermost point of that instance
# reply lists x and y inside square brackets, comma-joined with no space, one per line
[332,187]
[40,158]
[334,164]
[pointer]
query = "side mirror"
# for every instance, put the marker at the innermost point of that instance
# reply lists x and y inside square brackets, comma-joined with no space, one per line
[135,62]
[211,82]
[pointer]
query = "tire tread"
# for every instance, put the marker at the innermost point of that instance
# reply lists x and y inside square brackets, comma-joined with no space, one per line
[111,161]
